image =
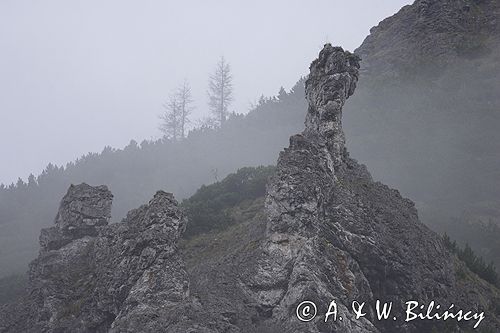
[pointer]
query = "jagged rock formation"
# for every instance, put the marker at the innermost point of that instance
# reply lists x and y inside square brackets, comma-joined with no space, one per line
[327,232]
[333,233]
[82,210]
[94,277]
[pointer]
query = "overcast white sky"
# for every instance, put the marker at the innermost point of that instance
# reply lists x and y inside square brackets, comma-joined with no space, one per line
[78,75]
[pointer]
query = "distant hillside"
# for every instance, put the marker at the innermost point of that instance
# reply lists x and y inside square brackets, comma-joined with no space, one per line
[426,115]
[429,37]
[137,171]
[428,95]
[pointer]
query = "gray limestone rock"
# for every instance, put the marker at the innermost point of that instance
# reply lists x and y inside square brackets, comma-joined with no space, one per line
[335,234]
[82,210]
[95,277]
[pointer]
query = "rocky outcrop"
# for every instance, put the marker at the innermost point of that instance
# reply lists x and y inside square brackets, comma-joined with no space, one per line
[95,277]
[82,210]
[332,80]
[297,263]
[424,38]
[335,234]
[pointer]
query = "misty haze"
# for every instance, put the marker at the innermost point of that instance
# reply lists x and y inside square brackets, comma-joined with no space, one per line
[78,77]
[232,159]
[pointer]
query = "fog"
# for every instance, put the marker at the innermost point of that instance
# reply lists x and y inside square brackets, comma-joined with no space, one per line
[76,76]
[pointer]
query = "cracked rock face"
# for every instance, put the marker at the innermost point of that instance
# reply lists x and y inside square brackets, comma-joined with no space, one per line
[332,79]
[94,277]
[335,234]
[300,259]
[82,210]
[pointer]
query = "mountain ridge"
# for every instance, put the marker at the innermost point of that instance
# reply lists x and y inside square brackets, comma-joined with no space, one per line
[434,140]
[327,232]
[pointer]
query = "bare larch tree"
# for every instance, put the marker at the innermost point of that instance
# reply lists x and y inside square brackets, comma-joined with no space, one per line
[176,114]
[185,101]
[220,91]
[170,118]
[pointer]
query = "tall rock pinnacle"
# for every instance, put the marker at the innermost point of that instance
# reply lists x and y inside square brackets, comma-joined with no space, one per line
[334,234]
[332,79]
[307,169]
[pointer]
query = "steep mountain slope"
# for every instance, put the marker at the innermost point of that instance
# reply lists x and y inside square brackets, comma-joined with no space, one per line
[427,112]
[430,89]
[428,36]
[326,231]
[424,119]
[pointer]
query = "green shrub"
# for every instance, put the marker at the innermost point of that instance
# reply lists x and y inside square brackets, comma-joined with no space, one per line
[207,208]
[475,263]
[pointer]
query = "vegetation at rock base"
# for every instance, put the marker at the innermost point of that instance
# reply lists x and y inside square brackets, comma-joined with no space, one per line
[475,263]
[207,208]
